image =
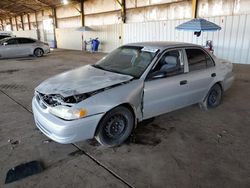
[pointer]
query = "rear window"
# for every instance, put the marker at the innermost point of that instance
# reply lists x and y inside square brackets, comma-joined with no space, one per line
[198,59]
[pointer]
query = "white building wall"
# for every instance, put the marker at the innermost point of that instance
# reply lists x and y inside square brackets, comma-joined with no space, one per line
[231,43]
[109,35]
[69,38]
[28,33]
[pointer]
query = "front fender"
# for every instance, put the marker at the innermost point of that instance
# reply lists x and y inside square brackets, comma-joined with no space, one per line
[130,93]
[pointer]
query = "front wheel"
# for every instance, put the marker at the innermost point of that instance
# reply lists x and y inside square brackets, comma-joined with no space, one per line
[38,52]
[115,127]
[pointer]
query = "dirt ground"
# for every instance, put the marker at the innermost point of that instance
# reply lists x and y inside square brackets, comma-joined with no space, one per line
[184,148]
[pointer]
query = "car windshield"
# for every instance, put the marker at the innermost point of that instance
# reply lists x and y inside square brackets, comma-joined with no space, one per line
[129,60]
[4,40]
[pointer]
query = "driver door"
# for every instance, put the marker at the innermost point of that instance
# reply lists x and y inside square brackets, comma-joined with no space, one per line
[166,90]
[10,49]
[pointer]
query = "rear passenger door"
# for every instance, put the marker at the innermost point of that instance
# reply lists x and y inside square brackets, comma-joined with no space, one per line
[201,74]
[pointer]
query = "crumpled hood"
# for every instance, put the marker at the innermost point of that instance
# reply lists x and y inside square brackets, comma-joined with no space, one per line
[81,80]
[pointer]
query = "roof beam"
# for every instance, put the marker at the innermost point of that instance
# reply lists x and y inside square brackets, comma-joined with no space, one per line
[25,6]
[44,3]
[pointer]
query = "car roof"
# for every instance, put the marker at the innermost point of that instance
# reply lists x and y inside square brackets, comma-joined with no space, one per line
[162,44]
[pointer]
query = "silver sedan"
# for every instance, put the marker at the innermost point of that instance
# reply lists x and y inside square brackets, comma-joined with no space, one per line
[20,46]
[133,83]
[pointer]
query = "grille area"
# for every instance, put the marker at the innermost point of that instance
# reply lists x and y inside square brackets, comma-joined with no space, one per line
[48,100]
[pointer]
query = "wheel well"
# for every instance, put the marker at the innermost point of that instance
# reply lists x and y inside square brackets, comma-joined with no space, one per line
[38,48]
[128,106]
[220,84]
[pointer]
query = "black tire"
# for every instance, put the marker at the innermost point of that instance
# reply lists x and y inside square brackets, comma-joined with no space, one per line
[214,96]
[115,127]
[38,52]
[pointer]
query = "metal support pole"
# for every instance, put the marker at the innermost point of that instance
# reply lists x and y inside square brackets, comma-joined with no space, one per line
[54,17]
[54,25]
[37,28]
[2,25]
[16,23]
[28,16]
[123,9]
[194,8]
[82,13]
[11,24]
[22,22]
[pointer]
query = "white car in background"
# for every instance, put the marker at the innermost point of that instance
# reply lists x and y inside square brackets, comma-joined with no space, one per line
[20,46]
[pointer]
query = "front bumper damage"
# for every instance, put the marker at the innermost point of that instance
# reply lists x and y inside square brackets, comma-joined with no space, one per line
[63,131]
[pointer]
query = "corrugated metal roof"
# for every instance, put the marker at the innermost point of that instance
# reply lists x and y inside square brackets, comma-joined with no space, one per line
[10,8]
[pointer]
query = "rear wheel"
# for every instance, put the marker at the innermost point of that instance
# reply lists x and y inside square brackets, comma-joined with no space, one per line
[115,127]
[214,96]
[38,52]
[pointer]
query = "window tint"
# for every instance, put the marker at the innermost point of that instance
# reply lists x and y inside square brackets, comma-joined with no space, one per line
[3,36]
[25,40]
[198,59]
[11,41]
[171,63]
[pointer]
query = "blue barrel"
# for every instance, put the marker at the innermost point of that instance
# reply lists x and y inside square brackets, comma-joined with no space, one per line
[95,44]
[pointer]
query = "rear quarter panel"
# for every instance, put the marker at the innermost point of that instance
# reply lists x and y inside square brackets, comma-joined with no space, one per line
[225,74]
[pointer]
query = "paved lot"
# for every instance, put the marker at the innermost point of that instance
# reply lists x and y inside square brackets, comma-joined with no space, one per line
[185,148]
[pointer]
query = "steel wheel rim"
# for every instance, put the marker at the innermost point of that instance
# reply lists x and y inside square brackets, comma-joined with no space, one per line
[213,97]
[116,126]
[38,52]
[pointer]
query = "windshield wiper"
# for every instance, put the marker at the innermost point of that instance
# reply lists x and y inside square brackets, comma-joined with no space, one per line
[99,67]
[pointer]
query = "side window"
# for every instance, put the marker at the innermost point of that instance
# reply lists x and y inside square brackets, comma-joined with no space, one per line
[171,63]
[198,59]
[3,36]
[25,41]
[11,41]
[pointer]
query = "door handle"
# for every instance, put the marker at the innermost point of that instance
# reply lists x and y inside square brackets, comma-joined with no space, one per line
[183,82]
[213,74]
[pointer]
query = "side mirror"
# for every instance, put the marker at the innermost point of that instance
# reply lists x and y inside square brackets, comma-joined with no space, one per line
[5,43]
[157,74]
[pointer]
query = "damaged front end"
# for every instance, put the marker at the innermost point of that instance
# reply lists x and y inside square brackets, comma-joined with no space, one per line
[60,106]
[64,107]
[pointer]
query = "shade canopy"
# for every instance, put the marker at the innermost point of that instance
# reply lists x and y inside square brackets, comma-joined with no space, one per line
[198,24]
[84,28]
